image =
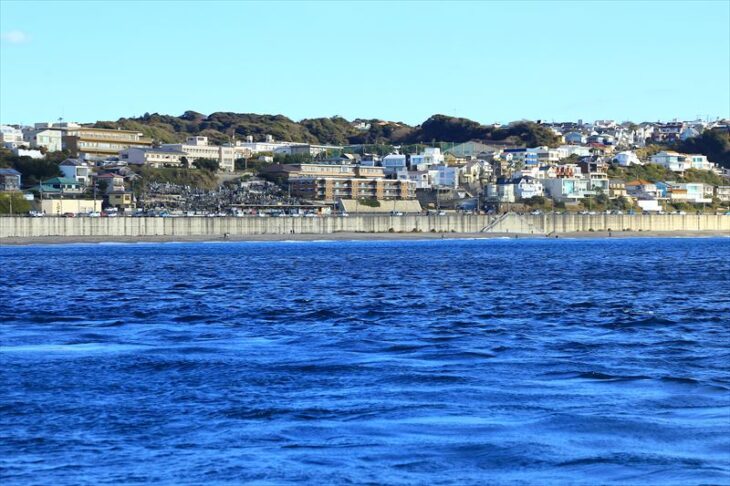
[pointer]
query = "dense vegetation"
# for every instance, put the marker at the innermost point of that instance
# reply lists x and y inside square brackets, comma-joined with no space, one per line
[14,200]
[223,126]
[715,144]
[32,171]
[654,173]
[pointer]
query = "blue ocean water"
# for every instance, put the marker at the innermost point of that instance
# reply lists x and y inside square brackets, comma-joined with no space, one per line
[433,362]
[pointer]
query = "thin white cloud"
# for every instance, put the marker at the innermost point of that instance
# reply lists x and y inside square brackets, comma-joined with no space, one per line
[15,37]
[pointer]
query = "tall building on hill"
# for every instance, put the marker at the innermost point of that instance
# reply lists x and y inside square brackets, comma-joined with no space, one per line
[98,143]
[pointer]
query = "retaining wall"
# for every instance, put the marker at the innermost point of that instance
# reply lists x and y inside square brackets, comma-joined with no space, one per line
[18,227]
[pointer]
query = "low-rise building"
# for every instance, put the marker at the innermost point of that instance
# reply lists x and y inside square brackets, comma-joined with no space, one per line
[503,191]
[430,156]
[26,152]
[42,136]
[121,199]
[527,187]
[627,158]
[692,192]
[10,180]
[575,138]
[568,189]
[154,157]
[56,206]
[722,193]
[61,186]
[198,148]
[111,182]
[677,162]
[11,137]
[393,163]
[77,170]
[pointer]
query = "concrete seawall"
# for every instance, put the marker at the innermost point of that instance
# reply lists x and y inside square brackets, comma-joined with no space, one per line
[21,227]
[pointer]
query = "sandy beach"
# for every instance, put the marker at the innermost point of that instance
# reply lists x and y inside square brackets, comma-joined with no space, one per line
[347,236]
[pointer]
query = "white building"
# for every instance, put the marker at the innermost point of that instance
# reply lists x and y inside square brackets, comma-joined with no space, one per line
[627,158]
[37,137]
[430,156]
[154,157]
[446,176]
[393,163]
[527,187]
[692,192]
[689,132]
[11,137]
[305,149]
[421,178]
[565,151]
[677,162]
[568,188]
[25,152]
[76,169]
[502,192]
[198,148]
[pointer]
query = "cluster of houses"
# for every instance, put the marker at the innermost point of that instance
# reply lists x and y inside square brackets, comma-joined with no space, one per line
[468,175]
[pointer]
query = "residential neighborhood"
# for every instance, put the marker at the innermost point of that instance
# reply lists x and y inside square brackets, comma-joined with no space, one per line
[71,169]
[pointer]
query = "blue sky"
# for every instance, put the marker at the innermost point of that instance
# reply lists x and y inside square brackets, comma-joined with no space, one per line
[489,61]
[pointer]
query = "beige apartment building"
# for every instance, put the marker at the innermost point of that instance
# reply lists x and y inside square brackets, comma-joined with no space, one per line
[330,183]
[98,143]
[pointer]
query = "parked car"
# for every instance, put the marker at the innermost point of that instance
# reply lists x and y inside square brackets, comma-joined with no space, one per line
[68,215]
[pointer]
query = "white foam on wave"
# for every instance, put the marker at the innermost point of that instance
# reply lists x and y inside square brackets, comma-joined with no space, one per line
[70,348]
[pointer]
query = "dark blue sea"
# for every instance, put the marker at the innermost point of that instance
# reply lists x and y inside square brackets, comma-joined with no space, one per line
[434,362]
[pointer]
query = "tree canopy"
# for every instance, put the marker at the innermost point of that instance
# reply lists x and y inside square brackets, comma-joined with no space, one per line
[715,144]
[222,127]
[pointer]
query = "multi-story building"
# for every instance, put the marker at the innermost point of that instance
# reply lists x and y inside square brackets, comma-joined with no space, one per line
[99,143]
[154,157]
[677,162]
[331,189]
[288,172]
[393,163]
[667,132]
[430,156]
[77,170]
[43,135]
[198,148]
[305,149]
[527,187]
[693,192]
[568,188]
[11,137]
[330,182]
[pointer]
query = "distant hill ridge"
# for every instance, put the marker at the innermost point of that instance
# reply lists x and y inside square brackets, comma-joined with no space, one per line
[219,127]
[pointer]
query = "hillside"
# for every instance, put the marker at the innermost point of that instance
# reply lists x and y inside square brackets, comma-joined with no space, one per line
[221,126]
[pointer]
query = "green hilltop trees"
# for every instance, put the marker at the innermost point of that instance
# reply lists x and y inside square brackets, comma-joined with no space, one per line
[221,127]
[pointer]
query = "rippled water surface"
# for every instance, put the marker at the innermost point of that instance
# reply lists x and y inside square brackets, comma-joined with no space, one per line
[491,361]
